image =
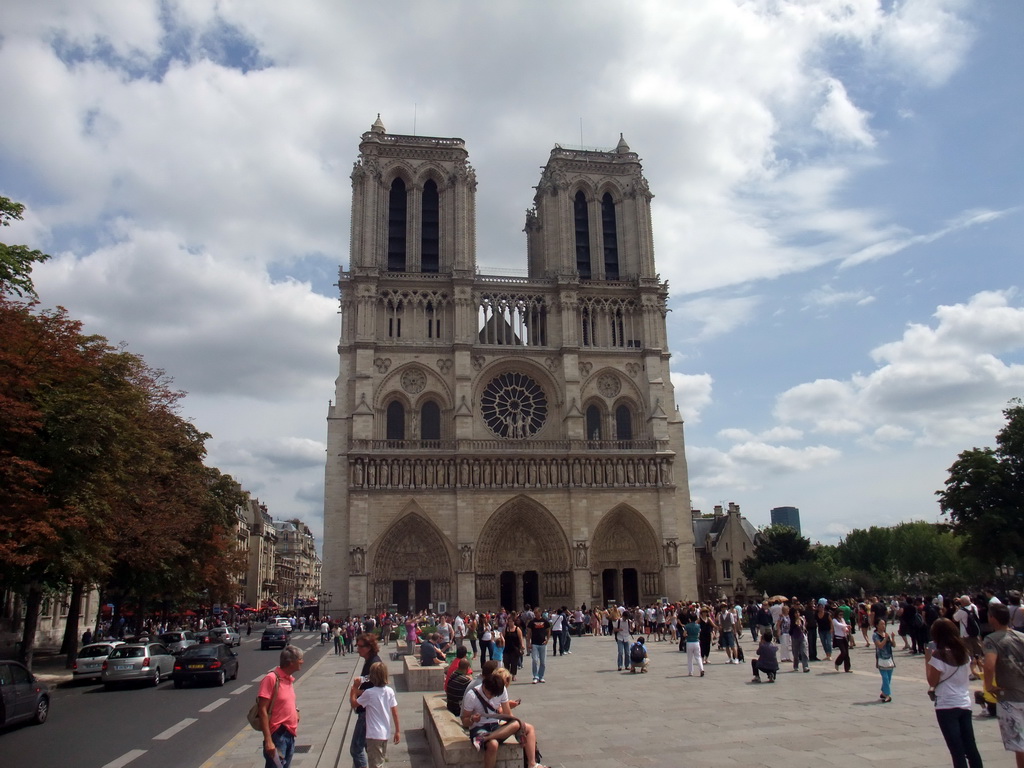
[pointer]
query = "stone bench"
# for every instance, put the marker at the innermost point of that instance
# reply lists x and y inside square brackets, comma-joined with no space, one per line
[449,741]
[419,678]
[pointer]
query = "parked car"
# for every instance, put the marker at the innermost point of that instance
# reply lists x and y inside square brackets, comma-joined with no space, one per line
[22,697]
[177,641]
[137,661]
[215,663]
[89,664]
[226,635]
[274,637]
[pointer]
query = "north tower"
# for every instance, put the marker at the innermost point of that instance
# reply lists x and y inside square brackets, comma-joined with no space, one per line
[499,440]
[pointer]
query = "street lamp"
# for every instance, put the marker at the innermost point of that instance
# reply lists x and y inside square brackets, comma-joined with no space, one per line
[324,599]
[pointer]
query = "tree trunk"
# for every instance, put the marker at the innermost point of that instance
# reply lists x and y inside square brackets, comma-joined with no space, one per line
[28,638]
[70,645]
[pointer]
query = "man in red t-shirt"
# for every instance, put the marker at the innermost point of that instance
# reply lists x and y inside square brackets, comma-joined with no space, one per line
[279,719]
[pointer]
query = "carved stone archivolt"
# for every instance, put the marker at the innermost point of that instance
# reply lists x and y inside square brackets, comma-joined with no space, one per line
[522,535]
[624,539]
[412,548]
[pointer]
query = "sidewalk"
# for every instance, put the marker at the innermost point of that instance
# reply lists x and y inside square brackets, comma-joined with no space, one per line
[588,714]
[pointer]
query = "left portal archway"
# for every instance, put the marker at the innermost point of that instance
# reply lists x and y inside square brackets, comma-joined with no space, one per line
[412,566]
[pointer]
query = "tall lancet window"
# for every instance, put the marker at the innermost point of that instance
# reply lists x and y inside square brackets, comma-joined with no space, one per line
[611,240]
[430,233]
[579,207]
[397,205]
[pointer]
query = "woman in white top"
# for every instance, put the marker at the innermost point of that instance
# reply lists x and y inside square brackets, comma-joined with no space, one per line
[841,640]
[948,669]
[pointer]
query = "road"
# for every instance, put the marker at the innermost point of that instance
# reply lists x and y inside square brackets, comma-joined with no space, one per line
[142,726]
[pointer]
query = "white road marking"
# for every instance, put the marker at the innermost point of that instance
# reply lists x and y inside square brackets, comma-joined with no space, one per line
[213,705]
[175,729]
[241,689]
[126,758]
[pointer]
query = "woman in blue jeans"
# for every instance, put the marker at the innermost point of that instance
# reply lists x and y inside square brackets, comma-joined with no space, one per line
[948,669]
[884,661]
[622,637]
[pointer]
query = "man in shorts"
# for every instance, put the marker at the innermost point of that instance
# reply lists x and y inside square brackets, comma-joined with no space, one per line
[1004,676]
[727,633]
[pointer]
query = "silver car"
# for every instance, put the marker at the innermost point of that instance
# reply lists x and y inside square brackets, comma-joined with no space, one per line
[150,662]
[89,664]
[226,635]
[177,640]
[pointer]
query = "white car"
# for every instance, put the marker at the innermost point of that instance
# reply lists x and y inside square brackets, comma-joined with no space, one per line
[281,621]
[89,664]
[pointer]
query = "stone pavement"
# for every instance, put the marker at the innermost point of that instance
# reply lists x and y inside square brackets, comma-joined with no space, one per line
[588,714]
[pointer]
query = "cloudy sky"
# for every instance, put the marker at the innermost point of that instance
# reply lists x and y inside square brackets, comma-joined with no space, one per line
[839,209]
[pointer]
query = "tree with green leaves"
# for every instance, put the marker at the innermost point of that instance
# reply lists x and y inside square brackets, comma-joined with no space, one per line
[984,495]
[16,260]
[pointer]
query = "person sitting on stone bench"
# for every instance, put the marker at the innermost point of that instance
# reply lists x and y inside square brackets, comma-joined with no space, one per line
[487,713]
[430,654]
[455,688]
[460,653]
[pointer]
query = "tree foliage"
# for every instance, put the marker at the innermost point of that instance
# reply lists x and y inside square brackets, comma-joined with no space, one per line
[16,260]
[984,495]
[102,482]
[777,544]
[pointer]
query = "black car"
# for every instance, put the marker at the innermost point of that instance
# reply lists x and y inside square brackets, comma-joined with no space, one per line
[274,637]
[214,662]
[22,697]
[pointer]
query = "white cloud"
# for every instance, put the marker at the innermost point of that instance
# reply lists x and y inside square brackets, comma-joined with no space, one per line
[692,393]
[943,383]
[840,119]
[717,316]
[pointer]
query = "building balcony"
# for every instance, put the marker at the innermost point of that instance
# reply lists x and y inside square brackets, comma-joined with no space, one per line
[472,448]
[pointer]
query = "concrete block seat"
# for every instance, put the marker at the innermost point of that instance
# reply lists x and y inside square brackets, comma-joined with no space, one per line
[419,678]
[449,741]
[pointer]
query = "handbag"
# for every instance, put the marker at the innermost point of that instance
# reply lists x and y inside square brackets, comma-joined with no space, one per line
[885,663]
[253,715]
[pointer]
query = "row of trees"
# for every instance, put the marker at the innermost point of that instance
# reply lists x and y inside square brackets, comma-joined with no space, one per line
[102,482]
[984,501]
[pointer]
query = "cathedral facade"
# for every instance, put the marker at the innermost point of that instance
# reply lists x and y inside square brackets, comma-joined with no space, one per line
[498,440]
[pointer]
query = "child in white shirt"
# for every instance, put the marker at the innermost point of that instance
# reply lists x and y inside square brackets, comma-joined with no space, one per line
[377,701]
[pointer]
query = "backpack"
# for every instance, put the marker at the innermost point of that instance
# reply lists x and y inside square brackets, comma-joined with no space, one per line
[636,653]
[973,627]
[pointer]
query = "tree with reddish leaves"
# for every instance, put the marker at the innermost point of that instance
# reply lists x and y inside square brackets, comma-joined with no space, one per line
[102,482]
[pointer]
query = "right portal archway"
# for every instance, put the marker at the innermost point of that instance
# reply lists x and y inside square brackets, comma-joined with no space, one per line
[626,558]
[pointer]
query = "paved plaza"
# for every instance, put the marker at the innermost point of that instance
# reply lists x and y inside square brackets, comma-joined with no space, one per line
[588,714]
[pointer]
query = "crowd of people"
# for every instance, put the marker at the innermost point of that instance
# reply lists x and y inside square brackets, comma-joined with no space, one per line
[961,639]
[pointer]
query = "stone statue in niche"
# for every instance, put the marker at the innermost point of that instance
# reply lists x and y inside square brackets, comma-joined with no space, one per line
[581,554]
[671,552]
[357,559]
[466,557]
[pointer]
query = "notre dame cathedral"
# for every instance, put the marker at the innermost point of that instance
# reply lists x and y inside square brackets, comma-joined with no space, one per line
[498,440]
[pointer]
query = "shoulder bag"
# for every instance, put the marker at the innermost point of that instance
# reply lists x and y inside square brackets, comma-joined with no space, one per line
[253,716]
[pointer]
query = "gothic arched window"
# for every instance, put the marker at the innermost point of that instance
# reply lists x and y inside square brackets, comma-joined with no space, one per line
[430,229]
[582,217]
[610,235]
[594,430]
[397,206]
[395,421]
[430,421]
[623,423]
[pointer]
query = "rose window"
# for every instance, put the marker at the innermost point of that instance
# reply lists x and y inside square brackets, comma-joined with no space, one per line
[514,406]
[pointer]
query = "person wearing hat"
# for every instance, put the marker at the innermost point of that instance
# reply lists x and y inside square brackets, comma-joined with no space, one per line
[620,628]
